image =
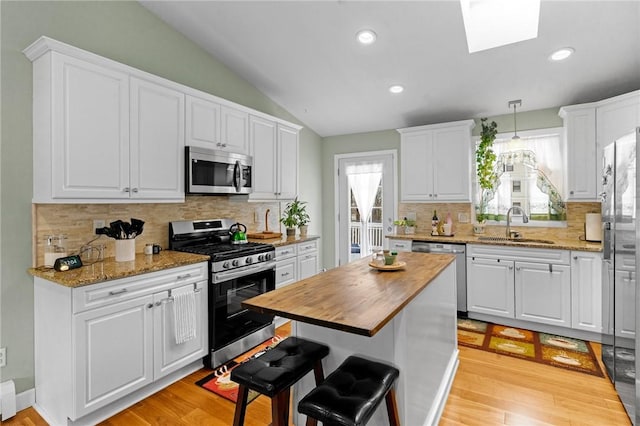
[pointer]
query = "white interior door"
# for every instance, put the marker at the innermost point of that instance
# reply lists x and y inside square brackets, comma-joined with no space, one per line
[347,230]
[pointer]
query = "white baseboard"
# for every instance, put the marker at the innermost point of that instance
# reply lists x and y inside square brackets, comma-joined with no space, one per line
[25,399]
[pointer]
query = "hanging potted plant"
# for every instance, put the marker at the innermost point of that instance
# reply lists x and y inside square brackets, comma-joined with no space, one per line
[485,170]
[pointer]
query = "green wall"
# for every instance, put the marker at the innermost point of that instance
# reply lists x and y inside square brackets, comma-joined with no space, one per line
[390,139]
[126,32]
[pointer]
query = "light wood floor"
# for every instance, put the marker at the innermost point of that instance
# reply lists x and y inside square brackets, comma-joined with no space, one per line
[489,389]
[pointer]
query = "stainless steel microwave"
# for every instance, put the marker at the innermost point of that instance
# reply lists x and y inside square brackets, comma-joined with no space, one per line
[217,172]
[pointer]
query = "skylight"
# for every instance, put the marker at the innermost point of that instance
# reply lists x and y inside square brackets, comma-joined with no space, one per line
[495,23]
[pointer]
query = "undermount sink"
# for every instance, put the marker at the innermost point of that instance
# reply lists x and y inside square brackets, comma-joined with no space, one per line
[515,240]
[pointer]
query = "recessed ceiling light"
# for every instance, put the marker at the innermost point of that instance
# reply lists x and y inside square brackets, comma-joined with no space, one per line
[366,36]
[396,88]
[495,23]
[561,54]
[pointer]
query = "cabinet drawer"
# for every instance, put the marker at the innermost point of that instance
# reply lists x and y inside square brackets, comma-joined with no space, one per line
[286,252]
[523,254]
[307,247]
[400,245]
[102,294]
[285,272]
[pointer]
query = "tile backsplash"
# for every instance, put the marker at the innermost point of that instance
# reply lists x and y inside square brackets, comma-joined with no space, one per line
[424,211]
[76,220]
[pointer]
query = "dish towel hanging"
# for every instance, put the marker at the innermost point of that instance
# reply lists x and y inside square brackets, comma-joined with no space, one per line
[184,313]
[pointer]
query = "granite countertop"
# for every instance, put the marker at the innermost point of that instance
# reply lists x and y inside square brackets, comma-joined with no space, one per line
[354,297]
[109,269]
[560,242]
[284,240]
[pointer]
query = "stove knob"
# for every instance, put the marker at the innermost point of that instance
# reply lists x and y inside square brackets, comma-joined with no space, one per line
[225,265]
[261,258]
[267,256]
[249,260]
[235,263]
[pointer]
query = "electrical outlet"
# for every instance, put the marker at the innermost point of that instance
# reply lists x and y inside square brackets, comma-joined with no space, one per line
[97,224]
[3,357]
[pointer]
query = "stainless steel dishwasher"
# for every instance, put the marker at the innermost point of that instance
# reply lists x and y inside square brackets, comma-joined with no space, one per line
[461,265]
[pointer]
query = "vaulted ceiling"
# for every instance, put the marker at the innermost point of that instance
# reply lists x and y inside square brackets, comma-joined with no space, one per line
[304,56]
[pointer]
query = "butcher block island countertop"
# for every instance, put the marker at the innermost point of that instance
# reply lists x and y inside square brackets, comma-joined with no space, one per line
[406,318]
[355,297]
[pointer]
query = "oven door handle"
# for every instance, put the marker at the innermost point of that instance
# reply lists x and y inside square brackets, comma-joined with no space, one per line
[220,277]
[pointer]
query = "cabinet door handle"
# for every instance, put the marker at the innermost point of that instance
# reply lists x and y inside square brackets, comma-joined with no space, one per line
[575,257]
[571,192]
[126,189]
[158,303]
[551,268]
[183,277]
[218,144]
[284,274]
[116,292]
[134,190]
[150,305]
[511,268]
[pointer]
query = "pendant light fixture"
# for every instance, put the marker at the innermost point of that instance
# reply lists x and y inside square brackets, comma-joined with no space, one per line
[517,102]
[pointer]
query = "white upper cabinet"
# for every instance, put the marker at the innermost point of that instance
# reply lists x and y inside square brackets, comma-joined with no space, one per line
[234,130]
[436,162]
[157,142]
[580,135]
[203,123]
[274,148]
[100,134]
[105,132]
[588,128]
[81,130]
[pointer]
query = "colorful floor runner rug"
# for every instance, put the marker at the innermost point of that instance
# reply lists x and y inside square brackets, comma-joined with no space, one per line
[550,349]
[220,381]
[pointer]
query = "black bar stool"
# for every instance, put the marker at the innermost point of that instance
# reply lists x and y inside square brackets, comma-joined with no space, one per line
[351,394]
[274,373]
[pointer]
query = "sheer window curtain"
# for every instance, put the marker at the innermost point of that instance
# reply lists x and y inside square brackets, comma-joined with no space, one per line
[364,179]
[549,158]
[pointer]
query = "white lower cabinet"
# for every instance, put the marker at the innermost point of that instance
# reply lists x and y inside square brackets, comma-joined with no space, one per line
[625,295]
[97,345]
[490,287]
[307,259]
[543,293]
[286,265]
[520,283]
[586,291]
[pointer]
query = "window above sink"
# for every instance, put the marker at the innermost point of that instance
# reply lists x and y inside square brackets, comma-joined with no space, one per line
[529,174]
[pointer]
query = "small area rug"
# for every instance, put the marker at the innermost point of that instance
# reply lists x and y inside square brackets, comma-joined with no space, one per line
[550,349]
[220,383]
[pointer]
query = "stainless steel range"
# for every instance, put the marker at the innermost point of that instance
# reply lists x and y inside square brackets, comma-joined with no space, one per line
[238,270]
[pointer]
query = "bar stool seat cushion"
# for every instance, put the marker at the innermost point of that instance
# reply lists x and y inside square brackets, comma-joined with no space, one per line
[280,367]
[351,393]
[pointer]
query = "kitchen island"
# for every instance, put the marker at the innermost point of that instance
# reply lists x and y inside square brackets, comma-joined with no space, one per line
[406,318]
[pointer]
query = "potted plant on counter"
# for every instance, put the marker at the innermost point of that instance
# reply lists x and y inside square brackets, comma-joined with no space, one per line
[303,218]
[295,214]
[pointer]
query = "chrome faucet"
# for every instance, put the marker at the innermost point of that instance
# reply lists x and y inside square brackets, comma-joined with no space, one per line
[525,219]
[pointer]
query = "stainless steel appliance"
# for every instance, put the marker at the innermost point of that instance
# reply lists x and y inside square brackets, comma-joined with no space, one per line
[236,272]
[461,265]
[619,271]
[217,172]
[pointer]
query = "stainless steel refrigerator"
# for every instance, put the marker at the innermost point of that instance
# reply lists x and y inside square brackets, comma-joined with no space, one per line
[621,234]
